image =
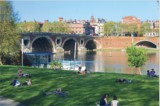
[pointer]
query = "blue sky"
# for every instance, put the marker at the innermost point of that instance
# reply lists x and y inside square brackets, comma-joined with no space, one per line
[111,10]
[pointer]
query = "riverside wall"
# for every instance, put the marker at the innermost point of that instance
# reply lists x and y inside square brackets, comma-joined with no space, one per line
[124,42]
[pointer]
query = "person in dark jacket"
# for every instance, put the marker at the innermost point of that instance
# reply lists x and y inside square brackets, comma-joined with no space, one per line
[104,100]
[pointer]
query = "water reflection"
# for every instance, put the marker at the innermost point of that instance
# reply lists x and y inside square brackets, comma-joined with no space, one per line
[110,61]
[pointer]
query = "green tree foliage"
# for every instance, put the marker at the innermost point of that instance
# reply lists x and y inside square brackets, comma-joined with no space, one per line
[132,28]
[56,65]
[47,27]
[129,28]
[109,28]
[136,56]
[56,27]
[124,27]
[114,28]
[119,28]
[28,27]
[60,27]
[145,28]
[9,37]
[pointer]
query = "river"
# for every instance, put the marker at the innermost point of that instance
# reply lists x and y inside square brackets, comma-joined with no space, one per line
[112,61]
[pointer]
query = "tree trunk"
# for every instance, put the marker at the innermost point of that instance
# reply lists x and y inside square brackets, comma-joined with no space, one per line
[138,70]
[0,61]
[133,71]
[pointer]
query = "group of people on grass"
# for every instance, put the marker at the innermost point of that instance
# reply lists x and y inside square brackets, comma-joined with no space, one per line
[82,71]
[15,82]
[151,73]
[104,101]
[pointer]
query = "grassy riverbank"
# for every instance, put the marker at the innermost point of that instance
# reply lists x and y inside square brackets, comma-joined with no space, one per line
[82,90]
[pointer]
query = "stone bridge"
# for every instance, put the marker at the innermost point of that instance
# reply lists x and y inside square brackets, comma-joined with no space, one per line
[53,42]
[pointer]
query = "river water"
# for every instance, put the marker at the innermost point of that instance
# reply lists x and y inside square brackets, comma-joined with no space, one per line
[112,61]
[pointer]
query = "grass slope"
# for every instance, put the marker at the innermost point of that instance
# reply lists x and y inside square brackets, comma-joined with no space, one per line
[82,90]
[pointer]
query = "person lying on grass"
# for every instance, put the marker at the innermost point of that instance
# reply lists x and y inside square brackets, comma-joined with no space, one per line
[123,80]
[58,91]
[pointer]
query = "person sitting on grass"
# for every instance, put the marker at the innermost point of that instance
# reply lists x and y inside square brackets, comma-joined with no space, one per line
[114,102]
[104,100]
[20,74]
[83,72]
[148,73]
[153,73]
[29,82]
[15,82]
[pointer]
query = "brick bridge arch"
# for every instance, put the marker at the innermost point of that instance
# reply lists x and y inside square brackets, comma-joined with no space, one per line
[92,41]
[52,43]
[146,43]
[58,42]
[69,44]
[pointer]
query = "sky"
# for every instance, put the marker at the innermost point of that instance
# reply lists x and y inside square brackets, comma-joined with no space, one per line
[111,10]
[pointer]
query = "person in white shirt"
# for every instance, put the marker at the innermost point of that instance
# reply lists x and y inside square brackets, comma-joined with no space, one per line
[114,102]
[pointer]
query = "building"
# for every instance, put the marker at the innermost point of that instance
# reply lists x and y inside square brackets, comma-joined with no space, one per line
[132,20]
[154,26]
[97,25]
[60,19]
[79,26]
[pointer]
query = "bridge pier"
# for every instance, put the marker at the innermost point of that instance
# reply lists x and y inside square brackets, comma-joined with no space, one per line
[59,50]
[81,48]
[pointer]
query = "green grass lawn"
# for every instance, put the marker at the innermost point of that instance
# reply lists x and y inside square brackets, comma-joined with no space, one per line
[82,90]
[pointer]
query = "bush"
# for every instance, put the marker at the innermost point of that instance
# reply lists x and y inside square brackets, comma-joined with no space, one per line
[56,65]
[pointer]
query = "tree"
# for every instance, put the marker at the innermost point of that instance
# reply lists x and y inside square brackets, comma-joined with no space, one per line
[128,28]
[136,57]
[124,28]
[109,28]
[47,27]
[56,65]
[60,27]
[9,37]
[56,27]
[119,29]
[145,28]
[132,28]
[28,27]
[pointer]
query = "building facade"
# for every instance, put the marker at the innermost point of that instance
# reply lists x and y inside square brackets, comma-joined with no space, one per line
[132,20]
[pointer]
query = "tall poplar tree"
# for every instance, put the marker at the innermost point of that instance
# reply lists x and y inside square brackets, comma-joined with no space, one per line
[9,37]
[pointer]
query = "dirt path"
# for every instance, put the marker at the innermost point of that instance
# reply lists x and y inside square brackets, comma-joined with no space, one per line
[8,102]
